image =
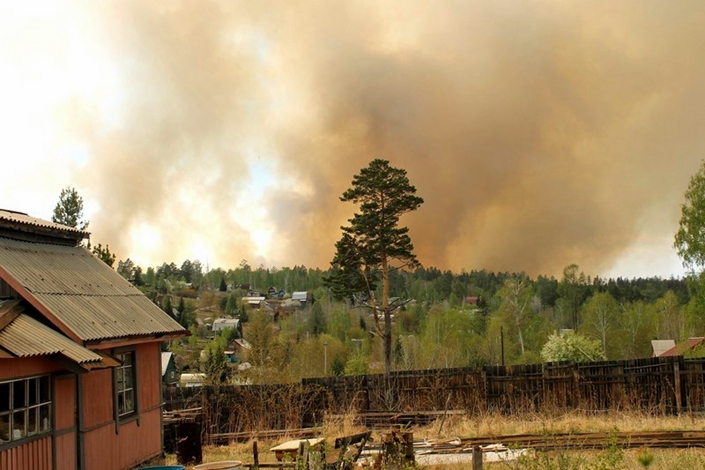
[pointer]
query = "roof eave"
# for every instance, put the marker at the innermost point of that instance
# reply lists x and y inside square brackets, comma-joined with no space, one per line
[104,343]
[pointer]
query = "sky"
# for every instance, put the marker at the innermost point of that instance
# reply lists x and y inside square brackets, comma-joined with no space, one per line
[539,133]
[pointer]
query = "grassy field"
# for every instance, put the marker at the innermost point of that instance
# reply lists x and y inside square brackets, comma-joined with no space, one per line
[458,426]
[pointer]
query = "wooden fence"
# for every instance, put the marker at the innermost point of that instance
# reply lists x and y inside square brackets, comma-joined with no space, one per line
[667,385]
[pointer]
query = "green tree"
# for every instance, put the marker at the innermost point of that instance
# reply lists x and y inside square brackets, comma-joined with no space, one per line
[168,307]
[103,253]
[600,316]
[69,210]
[690,238]
[230,305]
[516,295]
[571,290]
[317,320]
[672,321]
[638,326]
[137,276]
[216,364]
[374,243]
[126,268]
[571,346]
[261,337]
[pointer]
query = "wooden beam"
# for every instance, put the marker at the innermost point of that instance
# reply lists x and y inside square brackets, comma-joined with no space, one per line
[9,311]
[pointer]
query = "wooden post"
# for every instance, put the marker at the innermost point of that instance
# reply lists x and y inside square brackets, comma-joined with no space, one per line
[477,458]
[255,454]
[302,456]
[677,383]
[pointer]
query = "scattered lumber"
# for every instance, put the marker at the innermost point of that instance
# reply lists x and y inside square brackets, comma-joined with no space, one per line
[225,438]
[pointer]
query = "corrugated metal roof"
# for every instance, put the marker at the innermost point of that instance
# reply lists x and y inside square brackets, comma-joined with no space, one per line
[26,337]
[22,218]
[83,292]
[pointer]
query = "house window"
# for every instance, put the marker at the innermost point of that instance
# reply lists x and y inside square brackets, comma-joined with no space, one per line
[125,384]
[25,408]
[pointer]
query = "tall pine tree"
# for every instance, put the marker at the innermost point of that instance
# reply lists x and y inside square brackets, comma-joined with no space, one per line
[374,243]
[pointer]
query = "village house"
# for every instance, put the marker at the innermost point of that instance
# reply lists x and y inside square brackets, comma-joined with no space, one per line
[80,360]
[169,378]
[685,348]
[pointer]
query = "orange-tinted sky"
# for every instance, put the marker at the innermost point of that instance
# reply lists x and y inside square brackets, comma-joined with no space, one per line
[539,133]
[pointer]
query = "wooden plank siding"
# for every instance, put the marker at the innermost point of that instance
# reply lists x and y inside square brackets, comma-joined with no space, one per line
[65,421]
[97,404]
[18,368]
[35,455]
[135,439]
[132,445]
[150,375]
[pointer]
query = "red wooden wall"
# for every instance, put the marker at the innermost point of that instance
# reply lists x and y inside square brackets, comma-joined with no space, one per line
[106,448]
[133,443]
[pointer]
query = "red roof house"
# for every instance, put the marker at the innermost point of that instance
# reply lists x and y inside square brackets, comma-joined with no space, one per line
[683,348]
[80,362]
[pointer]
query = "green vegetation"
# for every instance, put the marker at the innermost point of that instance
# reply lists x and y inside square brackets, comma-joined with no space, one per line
[450,320]
[69,210]
[432,318]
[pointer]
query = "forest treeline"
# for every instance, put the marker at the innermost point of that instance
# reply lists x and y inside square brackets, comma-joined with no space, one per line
[447,319]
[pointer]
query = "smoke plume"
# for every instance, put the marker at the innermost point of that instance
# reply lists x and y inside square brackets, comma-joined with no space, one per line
[539,133]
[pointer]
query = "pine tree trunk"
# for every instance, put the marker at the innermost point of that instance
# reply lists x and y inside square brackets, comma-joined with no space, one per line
[387,319]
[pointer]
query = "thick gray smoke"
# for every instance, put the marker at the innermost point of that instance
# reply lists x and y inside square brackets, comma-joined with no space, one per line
[539,133]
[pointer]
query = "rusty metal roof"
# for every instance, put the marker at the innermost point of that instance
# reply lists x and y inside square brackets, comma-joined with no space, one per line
[82,292]
[26,337]
[24,219]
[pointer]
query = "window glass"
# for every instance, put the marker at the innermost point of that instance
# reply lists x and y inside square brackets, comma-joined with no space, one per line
[33,392]
[25,408]
[4,396]
[45,418]
[44,390]
[19,429]
[125,383]
[19,400]
[4,427]
[32,423]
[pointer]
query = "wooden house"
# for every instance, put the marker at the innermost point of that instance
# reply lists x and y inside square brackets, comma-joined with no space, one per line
[80,362]
[685,348]
[169,378]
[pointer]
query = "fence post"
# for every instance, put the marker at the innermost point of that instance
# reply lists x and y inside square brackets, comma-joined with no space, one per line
[477,458]
[677,383]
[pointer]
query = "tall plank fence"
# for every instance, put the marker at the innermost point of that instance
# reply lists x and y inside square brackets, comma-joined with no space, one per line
[669,385]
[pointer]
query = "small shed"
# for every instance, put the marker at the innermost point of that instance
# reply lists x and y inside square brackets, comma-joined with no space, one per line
[254,301]
[223,323]
[302,297]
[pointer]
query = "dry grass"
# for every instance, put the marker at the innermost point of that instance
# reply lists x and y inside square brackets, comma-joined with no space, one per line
[496,425]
